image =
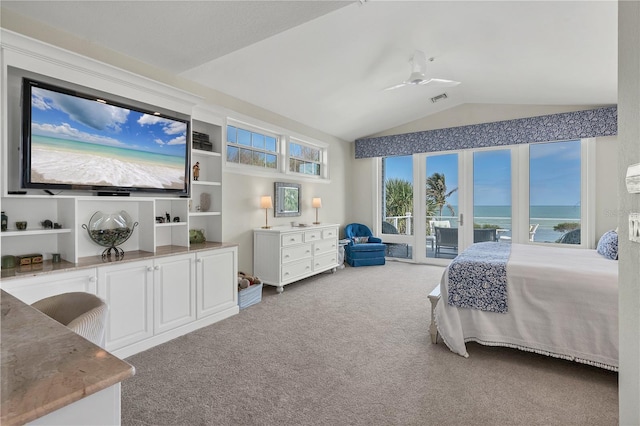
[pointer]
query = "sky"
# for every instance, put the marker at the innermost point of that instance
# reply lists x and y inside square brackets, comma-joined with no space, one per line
[554,174]
[73,118]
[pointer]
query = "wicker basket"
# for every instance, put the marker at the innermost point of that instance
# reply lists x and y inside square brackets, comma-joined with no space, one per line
[250,296]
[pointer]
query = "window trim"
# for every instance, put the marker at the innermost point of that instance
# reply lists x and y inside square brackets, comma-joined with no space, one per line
[519,193]
[283,139]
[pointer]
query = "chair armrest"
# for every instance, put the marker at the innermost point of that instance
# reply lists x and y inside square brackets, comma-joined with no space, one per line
[375,240]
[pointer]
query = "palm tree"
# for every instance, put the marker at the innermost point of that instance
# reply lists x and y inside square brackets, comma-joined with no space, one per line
[437,193]
[398,197]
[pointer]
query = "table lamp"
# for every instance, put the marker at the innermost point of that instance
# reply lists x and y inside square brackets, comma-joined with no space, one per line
[316,203]
[266,204]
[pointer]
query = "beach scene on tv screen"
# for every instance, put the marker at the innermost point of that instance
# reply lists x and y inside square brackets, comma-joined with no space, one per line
[78,141]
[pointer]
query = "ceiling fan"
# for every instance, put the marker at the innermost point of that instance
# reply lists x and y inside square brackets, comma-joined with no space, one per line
[418,74]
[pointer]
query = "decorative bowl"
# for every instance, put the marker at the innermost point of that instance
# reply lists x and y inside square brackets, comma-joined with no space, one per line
[110,230]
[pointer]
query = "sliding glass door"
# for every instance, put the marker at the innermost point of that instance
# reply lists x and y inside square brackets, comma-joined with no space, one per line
[441,205]
[519,194]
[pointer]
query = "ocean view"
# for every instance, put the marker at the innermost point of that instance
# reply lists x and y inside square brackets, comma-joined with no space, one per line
[545,216]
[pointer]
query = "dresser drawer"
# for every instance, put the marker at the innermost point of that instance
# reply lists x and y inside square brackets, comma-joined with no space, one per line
[291,254]
[311,236]
[324,246]
[291,238]
[329,233]
[325,261]
[296,269]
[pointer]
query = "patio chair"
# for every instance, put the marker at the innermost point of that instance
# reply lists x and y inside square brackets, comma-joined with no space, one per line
[447,238]
[431,239]
[480,235]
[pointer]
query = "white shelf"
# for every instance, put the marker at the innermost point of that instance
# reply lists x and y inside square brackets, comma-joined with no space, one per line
[206,153]
[194,214]
[26,232]
[162,225]
[205,183]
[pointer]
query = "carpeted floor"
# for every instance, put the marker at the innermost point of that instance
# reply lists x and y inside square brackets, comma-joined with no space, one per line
[353,348]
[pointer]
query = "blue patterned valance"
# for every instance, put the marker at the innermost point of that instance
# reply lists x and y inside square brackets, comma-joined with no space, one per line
[546,128]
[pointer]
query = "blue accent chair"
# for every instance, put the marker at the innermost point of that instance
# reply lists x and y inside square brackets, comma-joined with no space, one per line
[363,254]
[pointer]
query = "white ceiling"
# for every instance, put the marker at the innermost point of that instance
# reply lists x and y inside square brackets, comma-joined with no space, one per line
[325,63]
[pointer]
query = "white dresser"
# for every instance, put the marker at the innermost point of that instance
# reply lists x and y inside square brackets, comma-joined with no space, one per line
[284,254]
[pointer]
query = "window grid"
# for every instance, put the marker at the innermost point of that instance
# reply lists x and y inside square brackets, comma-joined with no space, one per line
[304,159]
[252,148]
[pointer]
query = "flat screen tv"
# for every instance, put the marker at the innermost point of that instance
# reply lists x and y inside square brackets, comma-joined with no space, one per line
[74,141]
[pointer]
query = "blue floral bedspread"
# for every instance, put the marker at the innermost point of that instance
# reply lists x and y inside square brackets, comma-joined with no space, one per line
[478,277]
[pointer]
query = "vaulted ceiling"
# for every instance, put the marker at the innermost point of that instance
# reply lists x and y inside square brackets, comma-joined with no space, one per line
[326,63]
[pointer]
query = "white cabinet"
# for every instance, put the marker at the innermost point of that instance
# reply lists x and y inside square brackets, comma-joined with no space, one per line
[128,290]
[32,289]
[174,291]
[155,300]
[214,271]
[284,254]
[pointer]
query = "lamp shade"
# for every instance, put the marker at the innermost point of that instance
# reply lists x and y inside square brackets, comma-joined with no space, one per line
[316,203]
[265,202]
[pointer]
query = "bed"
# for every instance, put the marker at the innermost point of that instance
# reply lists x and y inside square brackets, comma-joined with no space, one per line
[560,302]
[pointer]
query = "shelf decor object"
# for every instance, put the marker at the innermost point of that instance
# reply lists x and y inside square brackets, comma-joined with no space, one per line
[266,203]
[316,203]
[205,202]
[110,230]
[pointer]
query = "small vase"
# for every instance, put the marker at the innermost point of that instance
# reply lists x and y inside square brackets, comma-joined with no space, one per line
[205,202]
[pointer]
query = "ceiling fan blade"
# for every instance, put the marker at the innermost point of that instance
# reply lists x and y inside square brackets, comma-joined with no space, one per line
[397,86]
[440,82]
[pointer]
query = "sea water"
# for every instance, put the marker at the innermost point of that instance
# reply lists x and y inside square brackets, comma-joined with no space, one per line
[545,216]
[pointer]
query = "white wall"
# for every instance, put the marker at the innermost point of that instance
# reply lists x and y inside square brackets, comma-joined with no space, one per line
[629,263]
[606,156]
[241,196]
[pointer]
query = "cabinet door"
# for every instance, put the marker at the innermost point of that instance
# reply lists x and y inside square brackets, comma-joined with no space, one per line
[217,273]
[128,290]
[32,289]
[174,292]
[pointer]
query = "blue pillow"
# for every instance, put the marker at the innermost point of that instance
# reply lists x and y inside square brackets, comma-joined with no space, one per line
[608,245]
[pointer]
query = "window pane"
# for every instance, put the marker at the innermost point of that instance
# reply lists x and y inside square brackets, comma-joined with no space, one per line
[233,154]
[271,144]
[295,150]
[442,205]
[492,195]
[271,161]
[231,134]
[397,195]
[244,137]
[246,156]
[257,140]
[554,192]
[258,159]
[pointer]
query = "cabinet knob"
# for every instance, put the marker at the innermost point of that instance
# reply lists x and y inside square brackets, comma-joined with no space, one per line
[149,268]
[199,260]
[92,279]
[157,268]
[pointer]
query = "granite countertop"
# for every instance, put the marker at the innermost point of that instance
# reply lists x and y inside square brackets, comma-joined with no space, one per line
[45,366]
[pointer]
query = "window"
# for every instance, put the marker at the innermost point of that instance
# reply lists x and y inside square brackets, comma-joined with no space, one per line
[304,159]
[252,148]
[397,195]
[492,208]
[554,192]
